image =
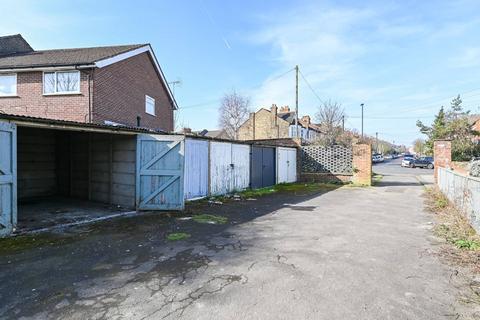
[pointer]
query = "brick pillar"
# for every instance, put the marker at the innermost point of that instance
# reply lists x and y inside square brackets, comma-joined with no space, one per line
[362,164]
[442,155]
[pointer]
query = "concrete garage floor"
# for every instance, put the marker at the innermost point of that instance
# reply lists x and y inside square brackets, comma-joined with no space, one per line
[349,253]
[46,212]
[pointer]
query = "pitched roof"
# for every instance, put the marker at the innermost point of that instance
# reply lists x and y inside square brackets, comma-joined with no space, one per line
[287,116]
[473,118]
[290,118]
[13,44]
[211,133]
[56,57]
[19,54]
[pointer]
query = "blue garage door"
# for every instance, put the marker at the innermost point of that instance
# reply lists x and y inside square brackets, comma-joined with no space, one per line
[8,177]
[160,163]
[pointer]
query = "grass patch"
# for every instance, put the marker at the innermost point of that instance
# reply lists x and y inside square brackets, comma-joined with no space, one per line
[177,236]
[452,225]
[209,218]
[17,244]
[289,187]
[376,178]
[468,244]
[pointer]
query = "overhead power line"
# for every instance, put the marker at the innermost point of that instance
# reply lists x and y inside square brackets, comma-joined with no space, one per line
[310,87]
[386,118]
[202,104]
[436,103]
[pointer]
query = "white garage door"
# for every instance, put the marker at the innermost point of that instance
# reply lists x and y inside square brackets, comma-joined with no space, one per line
[286,165]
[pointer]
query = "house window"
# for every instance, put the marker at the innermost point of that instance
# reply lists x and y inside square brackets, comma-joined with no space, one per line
[150,105]
[8,84]
[61,82]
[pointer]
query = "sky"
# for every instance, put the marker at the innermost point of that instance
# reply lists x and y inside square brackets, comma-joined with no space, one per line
[402,59]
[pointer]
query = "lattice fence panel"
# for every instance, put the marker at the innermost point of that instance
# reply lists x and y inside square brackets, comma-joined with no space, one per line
[335,159]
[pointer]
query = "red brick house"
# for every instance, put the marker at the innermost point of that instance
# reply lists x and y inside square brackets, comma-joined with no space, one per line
[474,121]
[116,85]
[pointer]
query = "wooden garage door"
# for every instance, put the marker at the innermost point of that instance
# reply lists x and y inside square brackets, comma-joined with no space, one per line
[286,165]
[220,168]
[160,165]
[196,168]
[8,177]
[241,167]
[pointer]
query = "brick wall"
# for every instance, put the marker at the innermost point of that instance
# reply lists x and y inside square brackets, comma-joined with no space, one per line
[263,124]
[30,100]
[362,164]
[442,155]
[119,94]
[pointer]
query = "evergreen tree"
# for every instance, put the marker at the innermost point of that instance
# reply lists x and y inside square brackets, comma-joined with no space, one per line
[452,125]
[438,130]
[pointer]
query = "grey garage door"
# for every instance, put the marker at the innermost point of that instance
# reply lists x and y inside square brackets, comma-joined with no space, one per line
[263,167]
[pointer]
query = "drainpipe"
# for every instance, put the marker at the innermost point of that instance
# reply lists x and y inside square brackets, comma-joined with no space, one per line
[89,82]
[89,97]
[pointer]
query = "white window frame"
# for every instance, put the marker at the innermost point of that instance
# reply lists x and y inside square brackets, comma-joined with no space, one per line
[147,99]
[16,84]
[55,85]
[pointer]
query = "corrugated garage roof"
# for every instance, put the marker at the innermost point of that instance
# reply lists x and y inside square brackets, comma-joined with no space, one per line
[79,125]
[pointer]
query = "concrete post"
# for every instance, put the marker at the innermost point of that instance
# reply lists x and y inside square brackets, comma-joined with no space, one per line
[442,155]
[362,164]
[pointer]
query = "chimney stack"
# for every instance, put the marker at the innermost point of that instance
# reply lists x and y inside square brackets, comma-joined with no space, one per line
[274,109]
[306,120]
[187,130]
[285,109]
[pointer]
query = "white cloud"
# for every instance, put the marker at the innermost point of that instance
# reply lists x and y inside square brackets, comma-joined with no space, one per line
[468,57]
[326,43]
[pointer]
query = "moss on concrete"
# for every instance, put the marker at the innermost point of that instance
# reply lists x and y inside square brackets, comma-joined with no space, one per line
[17,244]
[209,218]
[177,236]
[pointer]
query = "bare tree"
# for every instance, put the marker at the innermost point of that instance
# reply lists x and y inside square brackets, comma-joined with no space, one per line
[330,115]
[234,111]
[419,146]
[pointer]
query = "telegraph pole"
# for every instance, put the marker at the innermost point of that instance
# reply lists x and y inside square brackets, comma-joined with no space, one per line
[343,123]
[376,143]
[362,105]
[296,101]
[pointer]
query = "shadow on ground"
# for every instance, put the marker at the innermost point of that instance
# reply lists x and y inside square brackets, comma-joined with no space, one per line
[42,274]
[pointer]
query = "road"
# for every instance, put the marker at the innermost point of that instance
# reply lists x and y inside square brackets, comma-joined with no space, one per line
[349,253]
[394,168]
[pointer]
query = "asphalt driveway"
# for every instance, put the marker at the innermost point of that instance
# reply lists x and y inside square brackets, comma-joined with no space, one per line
[345,253]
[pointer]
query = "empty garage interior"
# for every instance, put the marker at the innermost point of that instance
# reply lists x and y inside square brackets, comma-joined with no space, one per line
[68,176]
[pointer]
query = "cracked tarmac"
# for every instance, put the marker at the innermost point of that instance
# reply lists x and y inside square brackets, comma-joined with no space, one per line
[349,253]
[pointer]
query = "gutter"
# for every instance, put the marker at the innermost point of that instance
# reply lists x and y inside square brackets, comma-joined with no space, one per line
[45,68]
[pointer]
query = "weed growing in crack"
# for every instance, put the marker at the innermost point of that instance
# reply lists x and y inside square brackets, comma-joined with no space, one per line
[177,236]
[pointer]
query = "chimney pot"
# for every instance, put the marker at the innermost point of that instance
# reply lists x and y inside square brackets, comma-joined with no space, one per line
[306,119]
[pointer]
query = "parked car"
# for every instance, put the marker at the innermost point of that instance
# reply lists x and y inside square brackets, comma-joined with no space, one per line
[407,160]
[422,162]
[376,158]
